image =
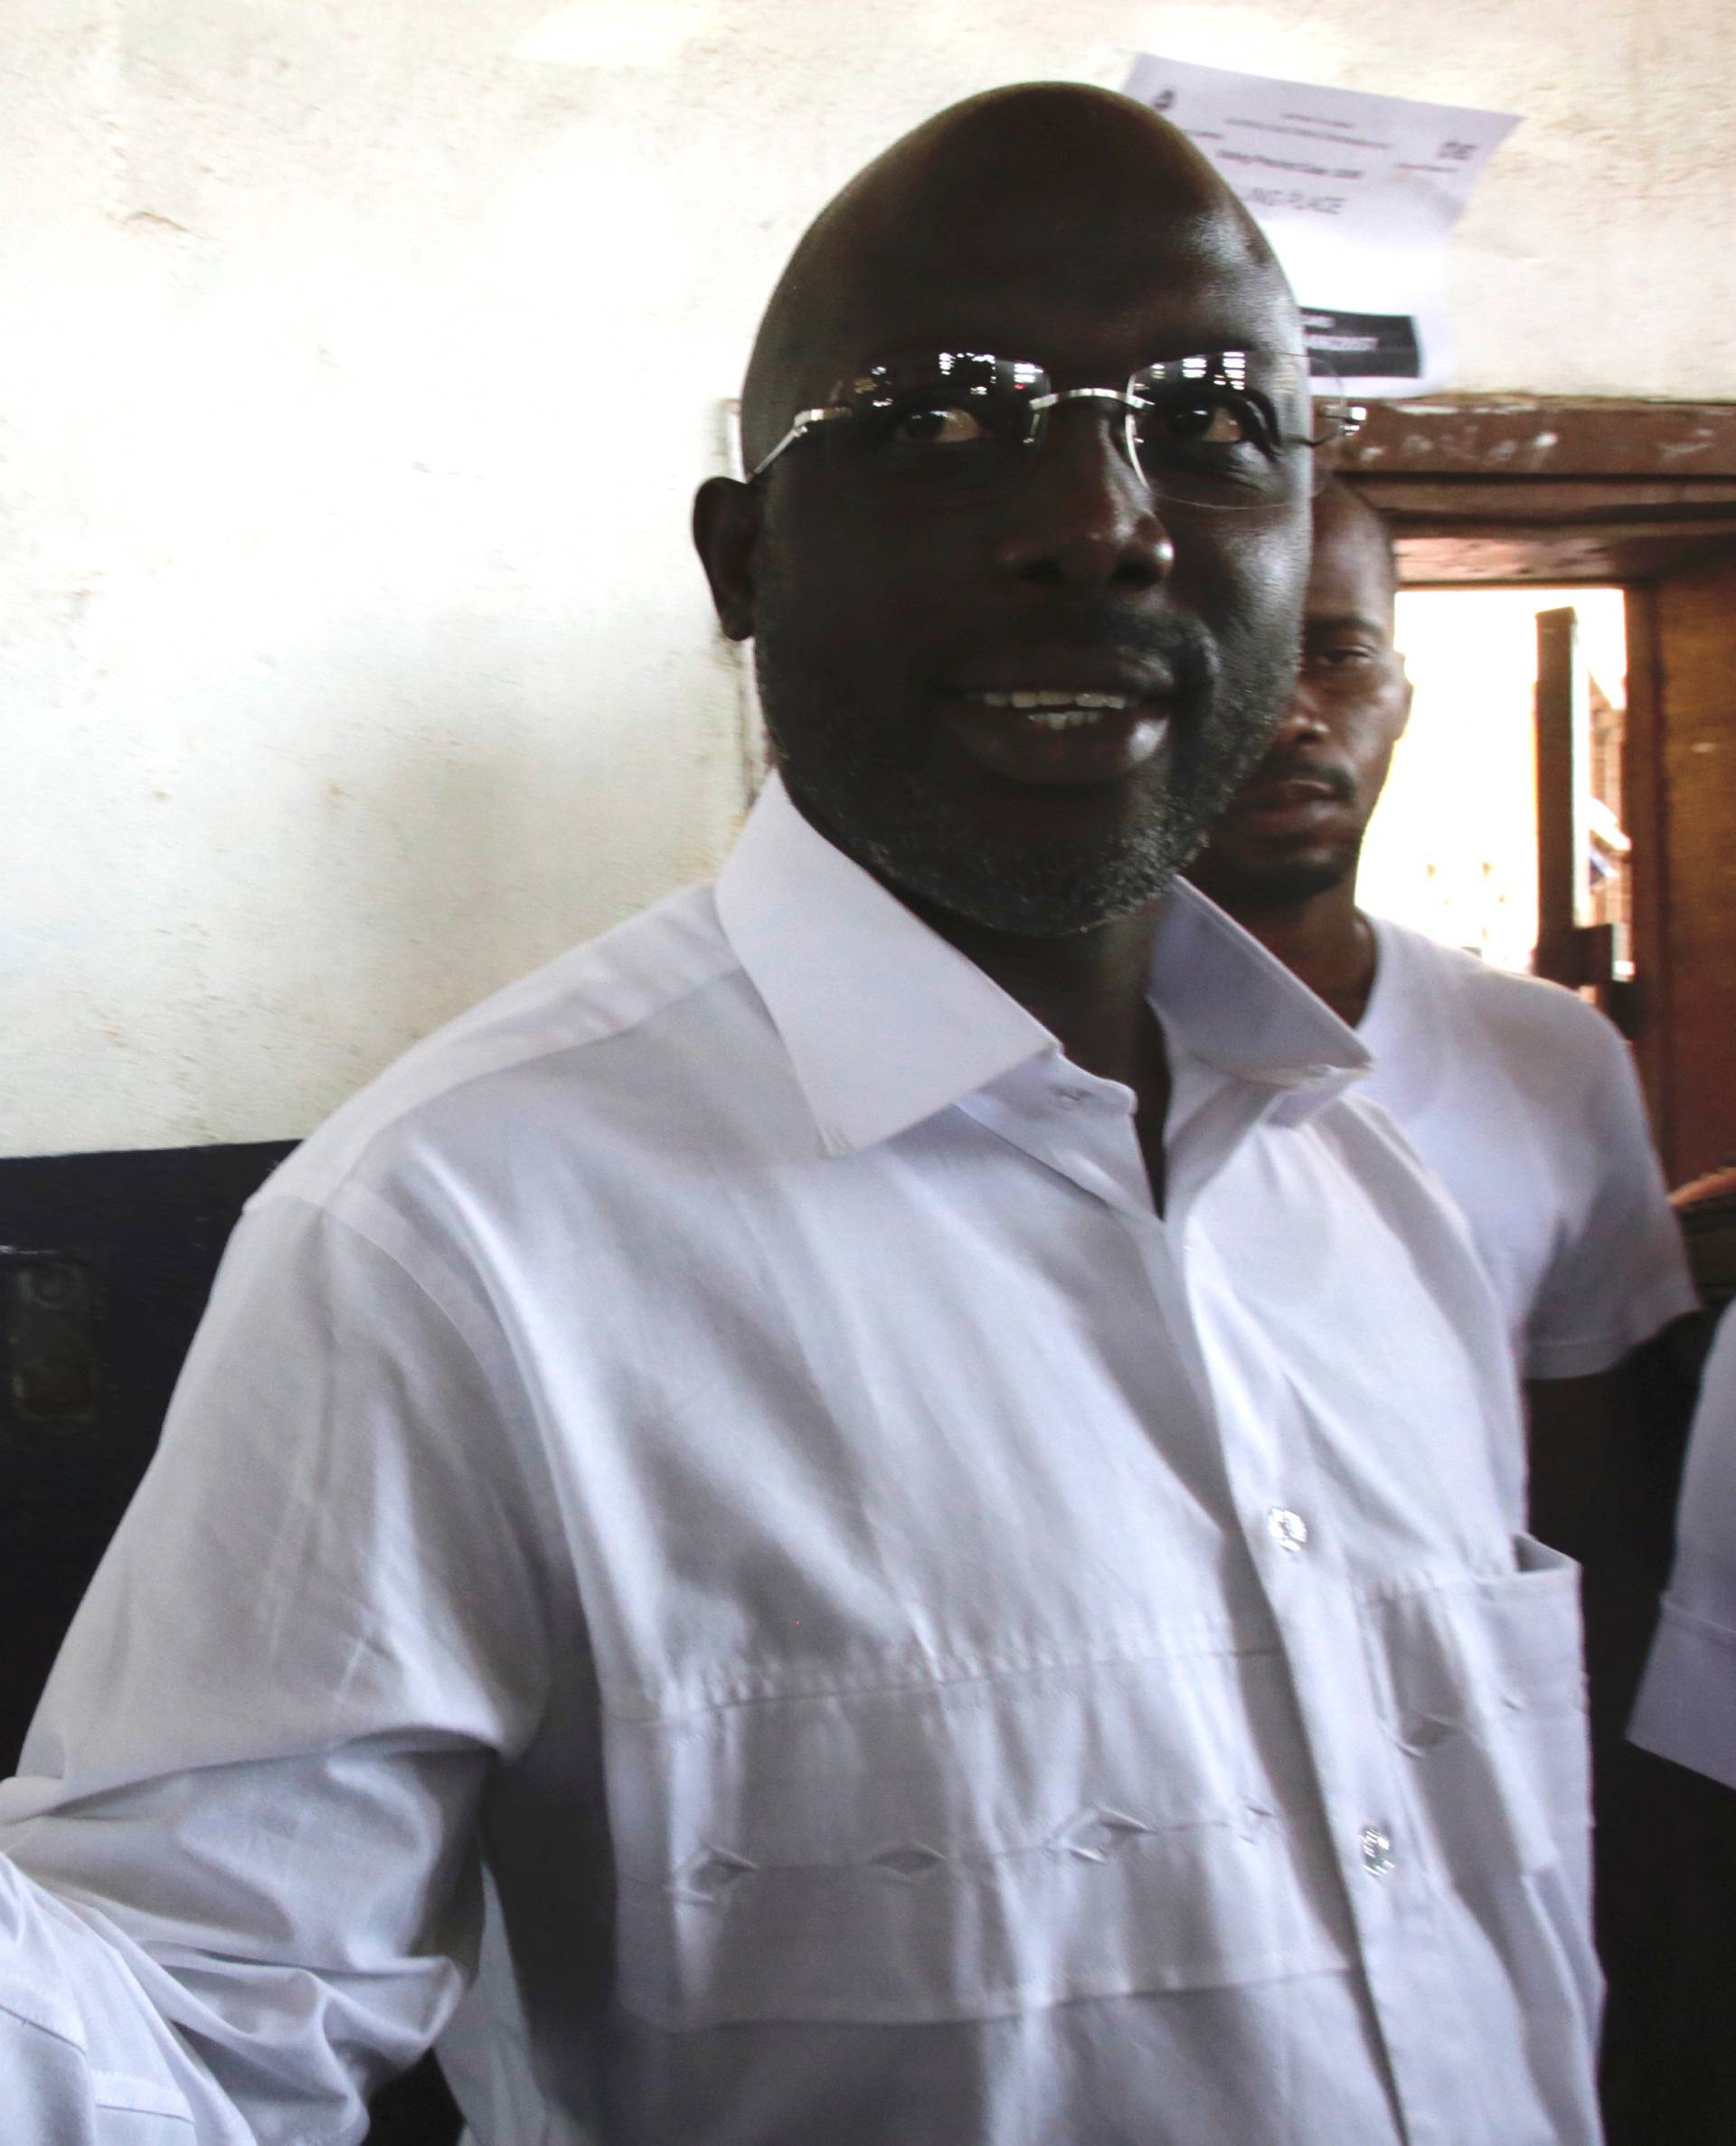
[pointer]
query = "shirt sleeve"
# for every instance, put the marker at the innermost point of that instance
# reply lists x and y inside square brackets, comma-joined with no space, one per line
[239,1885]
[1686,1709]
[1622,1274]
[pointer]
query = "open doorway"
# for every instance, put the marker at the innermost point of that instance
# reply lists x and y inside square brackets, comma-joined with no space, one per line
[1452,850]
[1588,496]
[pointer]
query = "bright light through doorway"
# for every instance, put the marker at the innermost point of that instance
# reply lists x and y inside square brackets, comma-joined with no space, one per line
[1452,848]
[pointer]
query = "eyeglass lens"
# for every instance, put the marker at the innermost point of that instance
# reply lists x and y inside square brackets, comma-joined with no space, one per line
[1226,430]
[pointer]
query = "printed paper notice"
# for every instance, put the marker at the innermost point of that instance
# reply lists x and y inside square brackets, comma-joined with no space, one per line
[1357,195]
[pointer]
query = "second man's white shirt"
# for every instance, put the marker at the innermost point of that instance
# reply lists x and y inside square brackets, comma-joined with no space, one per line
[1686,1709]
[1524,1102]
[929,1647]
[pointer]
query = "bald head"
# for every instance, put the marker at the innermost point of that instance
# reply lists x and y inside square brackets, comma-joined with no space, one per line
[966,205]
[1016,680]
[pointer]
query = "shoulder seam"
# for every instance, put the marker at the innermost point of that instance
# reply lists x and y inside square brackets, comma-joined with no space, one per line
[484,1063]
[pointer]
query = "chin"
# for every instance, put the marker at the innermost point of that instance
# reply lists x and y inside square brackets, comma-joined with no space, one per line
[1039,861]
[1271,882]
[1031,890]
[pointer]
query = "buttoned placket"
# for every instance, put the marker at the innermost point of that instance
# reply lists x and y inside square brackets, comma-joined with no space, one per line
[1269,1462]
[1260,1448]
[1219,997]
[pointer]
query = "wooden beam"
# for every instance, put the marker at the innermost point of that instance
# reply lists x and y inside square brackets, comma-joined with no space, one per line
[1653,878]
[1562,738]
[1520,436]
[1452,556]
[1692,614]
[1538,502]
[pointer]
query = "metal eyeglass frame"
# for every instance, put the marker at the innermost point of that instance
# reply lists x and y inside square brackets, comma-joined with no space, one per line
[805,421]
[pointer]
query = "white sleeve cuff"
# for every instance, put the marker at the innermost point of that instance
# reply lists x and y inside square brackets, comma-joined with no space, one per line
[1686,1709]
[1584,1356]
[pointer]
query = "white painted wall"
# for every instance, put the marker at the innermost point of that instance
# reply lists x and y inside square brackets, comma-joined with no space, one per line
[357,358]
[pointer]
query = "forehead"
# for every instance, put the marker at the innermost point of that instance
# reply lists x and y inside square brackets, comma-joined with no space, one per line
[1081,294]
[1351,573]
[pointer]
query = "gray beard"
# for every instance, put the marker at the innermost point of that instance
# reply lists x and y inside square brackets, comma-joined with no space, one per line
[846,777]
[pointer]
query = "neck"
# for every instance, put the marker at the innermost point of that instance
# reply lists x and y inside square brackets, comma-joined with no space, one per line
[1324,940]
[1090,989]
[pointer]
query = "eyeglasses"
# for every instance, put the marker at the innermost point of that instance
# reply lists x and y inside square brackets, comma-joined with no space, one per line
[1228,428]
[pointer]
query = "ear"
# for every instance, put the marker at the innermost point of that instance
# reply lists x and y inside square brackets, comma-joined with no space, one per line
[726,529]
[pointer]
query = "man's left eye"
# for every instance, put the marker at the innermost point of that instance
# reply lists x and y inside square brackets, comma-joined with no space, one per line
[939,425]
[1211,422]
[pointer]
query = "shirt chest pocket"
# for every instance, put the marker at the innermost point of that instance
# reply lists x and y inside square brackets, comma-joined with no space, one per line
[955,1850]
[1484,1690]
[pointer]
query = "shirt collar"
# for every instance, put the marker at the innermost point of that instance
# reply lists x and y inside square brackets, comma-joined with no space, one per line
[1239,1008]
[886,1024]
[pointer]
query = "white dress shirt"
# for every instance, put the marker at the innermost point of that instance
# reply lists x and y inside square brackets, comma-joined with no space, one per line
[1686,1709]
[928,1650]
[1524,1102]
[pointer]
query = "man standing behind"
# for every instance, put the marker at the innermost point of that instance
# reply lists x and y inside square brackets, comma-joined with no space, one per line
[1522,1100]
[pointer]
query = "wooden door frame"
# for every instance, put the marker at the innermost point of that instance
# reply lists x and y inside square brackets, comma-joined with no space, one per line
[1512,488]
[1508,489]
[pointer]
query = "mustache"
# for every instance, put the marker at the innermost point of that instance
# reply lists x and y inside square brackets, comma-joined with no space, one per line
[1102,627]
[1299,766]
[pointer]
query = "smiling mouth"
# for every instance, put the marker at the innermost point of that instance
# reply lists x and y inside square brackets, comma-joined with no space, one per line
[1054,709]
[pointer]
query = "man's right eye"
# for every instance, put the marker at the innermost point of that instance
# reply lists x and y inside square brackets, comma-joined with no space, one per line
[937,424]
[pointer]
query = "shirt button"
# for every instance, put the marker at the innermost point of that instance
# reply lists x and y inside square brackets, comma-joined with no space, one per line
[1288,1530]
[1377,1851]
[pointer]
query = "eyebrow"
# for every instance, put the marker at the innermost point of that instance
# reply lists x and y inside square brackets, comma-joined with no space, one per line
[1335,621]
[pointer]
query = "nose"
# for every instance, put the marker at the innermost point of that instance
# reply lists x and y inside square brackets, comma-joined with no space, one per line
[1085,518]
[1304,721]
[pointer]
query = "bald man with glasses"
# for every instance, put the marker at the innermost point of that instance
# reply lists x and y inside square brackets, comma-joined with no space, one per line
[883,1457]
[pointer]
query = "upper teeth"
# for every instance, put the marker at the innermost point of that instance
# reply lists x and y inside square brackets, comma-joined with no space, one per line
[1058,710]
